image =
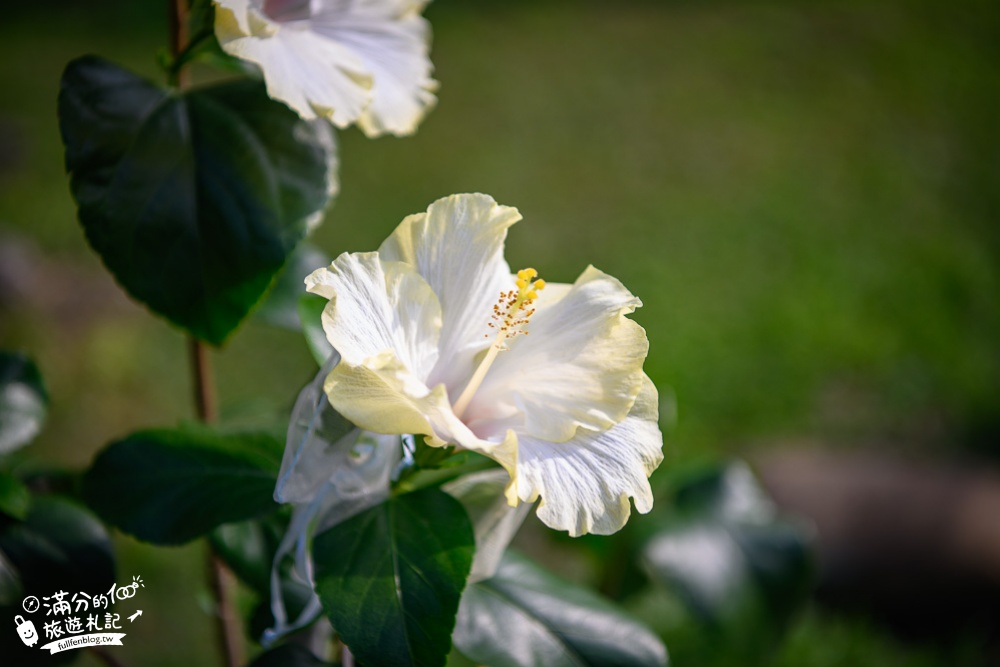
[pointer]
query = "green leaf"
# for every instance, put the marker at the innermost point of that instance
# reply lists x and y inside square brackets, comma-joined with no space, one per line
[391,577]
[58,545]
[738,566]
[288,655]
[526,617]
[192,200]
[15,499]
[23,401]
[171,486]
[281,306]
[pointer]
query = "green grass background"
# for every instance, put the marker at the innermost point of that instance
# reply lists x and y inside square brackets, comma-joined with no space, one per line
[805,195]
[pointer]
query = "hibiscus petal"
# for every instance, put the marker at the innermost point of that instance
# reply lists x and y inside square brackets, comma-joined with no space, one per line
[378,306]
[585,483]
[312,74]
[392,40]
[580,366]
[457,246]
[383,396]
[232,19]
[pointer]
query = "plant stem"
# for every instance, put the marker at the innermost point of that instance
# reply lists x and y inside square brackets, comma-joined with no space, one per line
[204,386]
[221,580]
[177,11]
[228,626]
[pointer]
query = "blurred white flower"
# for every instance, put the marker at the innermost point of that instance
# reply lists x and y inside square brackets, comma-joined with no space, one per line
[363,61]
[438,338]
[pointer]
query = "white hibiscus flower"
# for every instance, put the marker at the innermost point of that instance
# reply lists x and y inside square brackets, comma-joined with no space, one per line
[362,61]
[438,338]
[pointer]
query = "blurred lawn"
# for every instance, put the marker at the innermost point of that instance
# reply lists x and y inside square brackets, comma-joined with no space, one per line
[805,196]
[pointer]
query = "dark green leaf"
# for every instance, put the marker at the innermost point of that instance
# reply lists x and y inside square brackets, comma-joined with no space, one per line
[58,545]
[171,486]
[391,577]
[736,564]
[192,200]
[23,401]
[526,617]
[288,655]
[281,306]
[14,497]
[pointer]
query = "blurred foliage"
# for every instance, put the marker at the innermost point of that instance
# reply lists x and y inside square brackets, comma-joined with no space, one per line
[23,401]
[741,569]
[524,616]
[170,486]
[804,195]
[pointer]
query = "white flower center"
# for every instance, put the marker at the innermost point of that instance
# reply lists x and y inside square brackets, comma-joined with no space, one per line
[510,315]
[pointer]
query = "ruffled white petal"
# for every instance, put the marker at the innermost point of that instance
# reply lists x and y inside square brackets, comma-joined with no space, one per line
[585,483]
[457,246]
[580,366]
[363,61]
[378,306]
[392,39]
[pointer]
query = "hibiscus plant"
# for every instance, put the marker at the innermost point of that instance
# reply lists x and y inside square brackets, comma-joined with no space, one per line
[452,394]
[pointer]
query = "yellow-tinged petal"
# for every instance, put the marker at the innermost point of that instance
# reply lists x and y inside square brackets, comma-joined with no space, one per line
[232,19]
[580,367]
[457,246]
[383,396]
[585,483]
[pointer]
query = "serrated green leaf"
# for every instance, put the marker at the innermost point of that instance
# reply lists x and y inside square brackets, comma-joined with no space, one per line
[15,499]
[23,401]
[170,486]
[391,577]
[192,200]
[526,617]
[736,564]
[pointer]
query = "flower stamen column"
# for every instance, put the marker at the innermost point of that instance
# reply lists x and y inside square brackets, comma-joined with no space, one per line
[510,315]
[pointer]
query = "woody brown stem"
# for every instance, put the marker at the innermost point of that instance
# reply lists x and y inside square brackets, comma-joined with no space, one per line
[220,579]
